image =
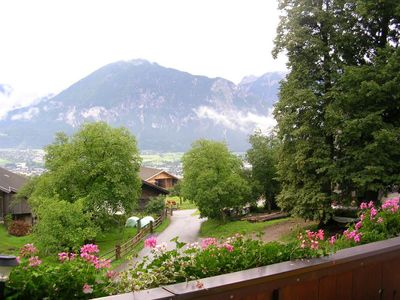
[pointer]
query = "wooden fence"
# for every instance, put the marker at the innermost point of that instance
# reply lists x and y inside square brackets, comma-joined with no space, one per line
[364,272]
[127,248]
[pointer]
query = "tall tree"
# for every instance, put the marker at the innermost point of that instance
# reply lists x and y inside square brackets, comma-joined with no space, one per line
[98,164]
[213,180]
[367,117]
[321,38]
[263,158]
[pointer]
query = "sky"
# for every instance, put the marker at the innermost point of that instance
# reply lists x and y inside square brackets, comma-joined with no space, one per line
[47,45]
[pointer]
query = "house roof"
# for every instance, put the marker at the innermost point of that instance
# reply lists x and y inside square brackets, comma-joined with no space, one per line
[147,173]
[11,182]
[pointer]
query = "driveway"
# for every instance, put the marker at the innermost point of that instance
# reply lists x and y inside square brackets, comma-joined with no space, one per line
[183,224]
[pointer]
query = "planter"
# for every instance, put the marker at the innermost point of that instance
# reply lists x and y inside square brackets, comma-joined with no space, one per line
[370,271]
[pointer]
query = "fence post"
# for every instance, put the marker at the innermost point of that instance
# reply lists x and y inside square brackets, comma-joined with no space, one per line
[117,252]
[139,225]
[151,227]
[171,210]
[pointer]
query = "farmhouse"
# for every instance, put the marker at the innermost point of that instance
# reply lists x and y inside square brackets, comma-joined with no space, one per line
[10,183]
[158,177]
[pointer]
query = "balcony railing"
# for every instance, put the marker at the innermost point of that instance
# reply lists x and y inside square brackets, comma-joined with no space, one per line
[369,271]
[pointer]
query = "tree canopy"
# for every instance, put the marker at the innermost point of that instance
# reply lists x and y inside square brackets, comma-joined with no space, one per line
[98,165]
[263,158]
[333,49]
[213,179]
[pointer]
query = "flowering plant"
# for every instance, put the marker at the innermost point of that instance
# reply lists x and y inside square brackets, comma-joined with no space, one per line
[80,275]
[375,223]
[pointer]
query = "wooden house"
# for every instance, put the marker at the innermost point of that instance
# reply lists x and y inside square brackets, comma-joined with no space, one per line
[158,177]
[10,183]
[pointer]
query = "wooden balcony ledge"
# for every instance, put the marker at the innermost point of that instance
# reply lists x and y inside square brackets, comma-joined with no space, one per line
[370,271]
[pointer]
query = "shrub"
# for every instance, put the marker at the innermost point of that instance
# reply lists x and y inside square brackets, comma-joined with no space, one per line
[156,205]
[19,228]
[62,226]
[7,220]
[72,277]
[375,223]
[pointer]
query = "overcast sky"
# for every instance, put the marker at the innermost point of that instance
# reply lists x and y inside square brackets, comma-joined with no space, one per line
[47,45]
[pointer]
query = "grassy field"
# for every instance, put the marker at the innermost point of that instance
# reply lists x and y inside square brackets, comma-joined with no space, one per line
[107,240]
[158,158]
[3,161]
[218,229]
[10,244]
[186,204]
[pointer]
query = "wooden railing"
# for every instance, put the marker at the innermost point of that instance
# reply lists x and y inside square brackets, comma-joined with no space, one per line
[369,271]
[127,248]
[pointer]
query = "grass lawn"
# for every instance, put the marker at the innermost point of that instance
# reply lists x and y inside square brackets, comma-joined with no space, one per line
[107,240]
[186,204]
[10,244]
[218,229]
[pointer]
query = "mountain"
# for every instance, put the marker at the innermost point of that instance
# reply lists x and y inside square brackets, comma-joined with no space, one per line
[166,109]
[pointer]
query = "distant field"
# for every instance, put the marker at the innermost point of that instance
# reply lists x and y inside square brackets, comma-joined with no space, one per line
[3,161]
[168,157]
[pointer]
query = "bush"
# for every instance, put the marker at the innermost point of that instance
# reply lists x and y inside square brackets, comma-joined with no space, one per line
[156,205]
[19,228]
[74,276]
[375,223]
[8,220]
[62,226]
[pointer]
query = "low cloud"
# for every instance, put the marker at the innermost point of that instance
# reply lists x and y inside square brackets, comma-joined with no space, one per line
[11,99]
[238,120]
[26,115]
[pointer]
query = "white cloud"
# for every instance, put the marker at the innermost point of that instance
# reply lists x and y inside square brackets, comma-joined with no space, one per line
[14,98]
[26,115]
[223,38]
[238,120]
[94,112]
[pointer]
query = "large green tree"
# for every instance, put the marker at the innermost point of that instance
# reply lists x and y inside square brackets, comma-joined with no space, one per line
[321,38]
[367,117]
[213,179]
[98,164]
[263,159]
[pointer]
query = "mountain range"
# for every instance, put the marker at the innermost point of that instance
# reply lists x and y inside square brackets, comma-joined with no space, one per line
[165,108]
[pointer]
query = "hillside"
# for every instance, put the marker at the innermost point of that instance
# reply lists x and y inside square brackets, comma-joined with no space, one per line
[166,109]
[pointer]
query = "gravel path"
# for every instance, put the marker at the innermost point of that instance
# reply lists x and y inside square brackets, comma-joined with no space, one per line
[182,224]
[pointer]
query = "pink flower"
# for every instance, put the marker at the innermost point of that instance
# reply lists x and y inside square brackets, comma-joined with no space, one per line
[358,225]
[332,240]
[111,274]
[363,205]
[205,243]
[228,247]
[34,261]
[362,217]
[18,259]
[102,263]
[357,237]
[63,256]
[380,220]
[90,248]
[27,250]
[373,213]
[392,204]
[151,242]
[87,289]
[320,234]
[370,204]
